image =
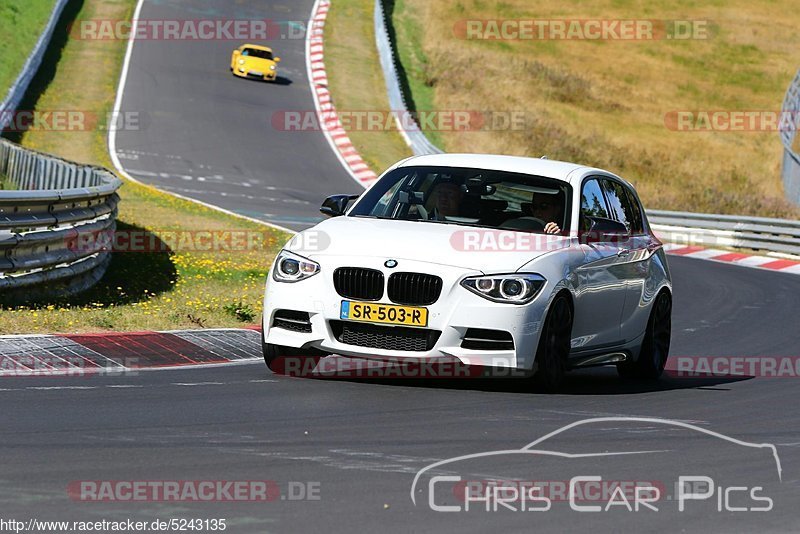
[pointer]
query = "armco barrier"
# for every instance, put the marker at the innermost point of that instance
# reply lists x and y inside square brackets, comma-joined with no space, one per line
[731,231]
[414,137]
[701,229]
[53,201]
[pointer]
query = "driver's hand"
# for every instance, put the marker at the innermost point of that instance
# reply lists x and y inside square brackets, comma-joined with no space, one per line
[551,228]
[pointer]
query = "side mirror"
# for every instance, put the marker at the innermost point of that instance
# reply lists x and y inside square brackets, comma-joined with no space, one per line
[277,60]
[604,230]
[336,205]
[236,52]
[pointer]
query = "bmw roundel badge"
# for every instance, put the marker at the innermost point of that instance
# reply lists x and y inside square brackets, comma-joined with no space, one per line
[391,264]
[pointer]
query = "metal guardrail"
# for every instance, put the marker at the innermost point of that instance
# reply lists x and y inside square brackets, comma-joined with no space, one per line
[55,201]
[701,229]
[791,160]
[16,92]
[731,231]
[410,131]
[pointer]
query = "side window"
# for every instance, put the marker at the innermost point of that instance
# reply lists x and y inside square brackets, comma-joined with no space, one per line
[386,201]
[386,204]
[592,202]
[636,218]
[618,202]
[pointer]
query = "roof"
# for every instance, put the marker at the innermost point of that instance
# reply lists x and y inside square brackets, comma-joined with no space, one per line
[548,168]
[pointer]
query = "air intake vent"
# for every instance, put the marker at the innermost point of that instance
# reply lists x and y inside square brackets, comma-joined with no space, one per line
[385,337]
[295,321]
[483,339]
[416,289]
[358,283]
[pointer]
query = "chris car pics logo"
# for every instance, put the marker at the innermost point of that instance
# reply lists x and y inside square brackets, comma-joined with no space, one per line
[698,489]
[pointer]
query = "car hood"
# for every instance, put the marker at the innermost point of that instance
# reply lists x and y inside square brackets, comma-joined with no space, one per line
[485,250]
[257,63]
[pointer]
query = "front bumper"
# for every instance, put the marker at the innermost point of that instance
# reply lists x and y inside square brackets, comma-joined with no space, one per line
[456,311]
[257,75]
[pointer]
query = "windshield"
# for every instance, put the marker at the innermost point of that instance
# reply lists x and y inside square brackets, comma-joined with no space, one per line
[252,52]
[472,197]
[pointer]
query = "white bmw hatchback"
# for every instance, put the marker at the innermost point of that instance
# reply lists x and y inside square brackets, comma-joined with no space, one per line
[505,262]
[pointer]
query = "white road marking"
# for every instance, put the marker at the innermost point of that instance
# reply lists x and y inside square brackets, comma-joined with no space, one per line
[60,387]
[198,383]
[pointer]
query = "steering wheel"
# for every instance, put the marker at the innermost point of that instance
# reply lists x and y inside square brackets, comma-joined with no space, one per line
[527,223]
[534,219]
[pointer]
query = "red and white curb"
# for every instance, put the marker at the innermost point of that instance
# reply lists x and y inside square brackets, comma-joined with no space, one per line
[326,110]
[770,263]
[114,353]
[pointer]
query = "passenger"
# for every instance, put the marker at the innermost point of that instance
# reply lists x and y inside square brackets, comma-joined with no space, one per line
[445,199]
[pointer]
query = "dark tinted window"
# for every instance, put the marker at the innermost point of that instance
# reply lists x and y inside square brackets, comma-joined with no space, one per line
[636,218]
[473,197]
[618,202]
[592,202]
[624,206]
[254,52]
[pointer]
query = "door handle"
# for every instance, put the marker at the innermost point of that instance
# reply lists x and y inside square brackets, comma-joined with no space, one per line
[623,252]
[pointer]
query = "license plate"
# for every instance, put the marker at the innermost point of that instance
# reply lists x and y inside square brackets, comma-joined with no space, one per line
[383,313]
[256,73]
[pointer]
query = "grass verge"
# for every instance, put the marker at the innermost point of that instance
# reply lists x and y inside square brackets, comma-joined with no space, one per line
[605,103]
[178,288]
[5,183]
[356,80]
[21,23]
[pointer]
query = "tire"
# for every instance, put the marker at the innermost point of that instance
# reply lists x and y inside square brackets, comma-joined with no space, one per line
[554,346]
[655,345]
[277,358]
[272,353]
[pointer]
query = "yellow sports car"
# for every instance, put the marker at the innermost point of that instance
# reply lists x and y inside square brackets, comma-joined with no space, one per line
[254,61]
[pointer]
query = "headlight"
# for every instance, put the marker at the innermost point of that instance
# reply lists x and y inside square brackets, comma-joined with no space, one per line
[290,267]
[272,67]
[241,62]
[515,288]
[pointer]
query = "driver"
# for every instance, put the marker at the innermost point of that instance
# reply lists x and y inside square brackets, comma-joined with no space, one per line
[445,199]
[549,209]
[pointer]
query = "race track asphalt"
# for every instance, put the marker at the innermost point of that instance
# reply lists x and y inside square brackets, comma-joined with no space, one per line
[360,442]
[201,132]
